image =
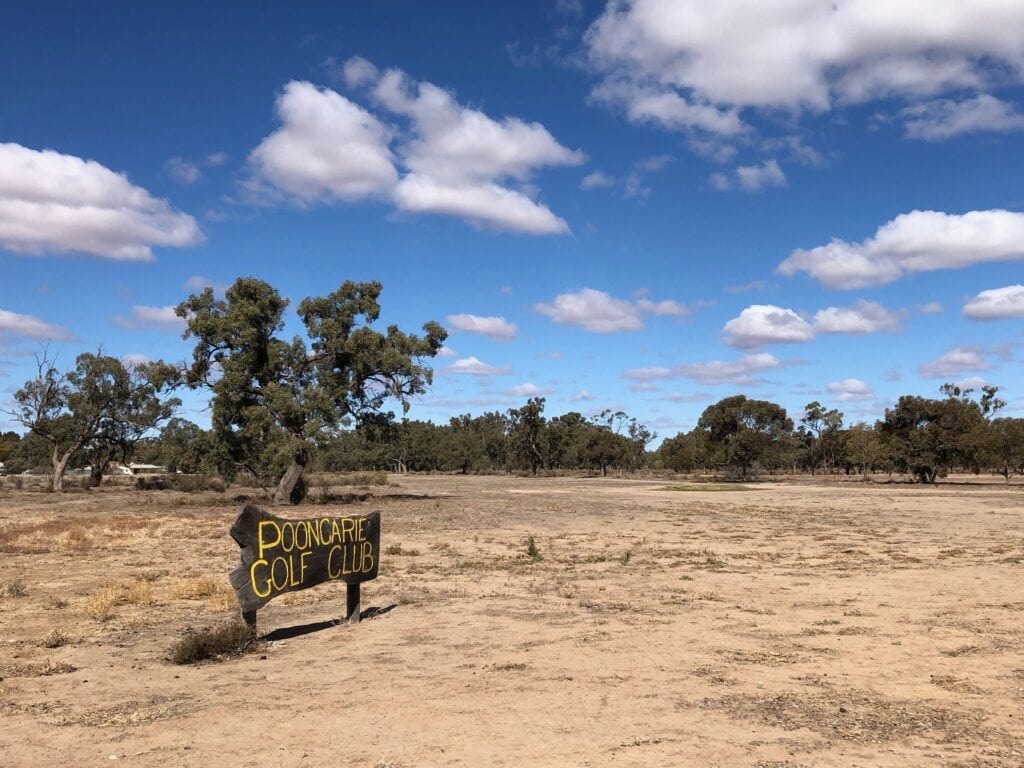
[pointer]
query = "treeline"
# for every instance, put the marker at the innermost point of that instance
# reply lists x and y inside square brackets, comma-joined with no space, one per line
[735,438]
[316,401]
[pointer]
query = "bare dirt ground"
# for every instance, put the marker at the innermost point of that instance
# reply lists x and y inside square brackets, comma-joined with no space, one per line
[667,624]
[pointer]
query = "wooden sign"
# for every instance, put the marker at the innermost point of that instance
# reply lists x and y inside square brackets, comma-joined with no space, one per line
[280,556]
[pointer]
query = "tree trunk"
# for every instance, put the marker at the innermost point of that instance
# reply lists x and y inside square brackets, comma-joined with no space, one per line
[60,464]
[283,493]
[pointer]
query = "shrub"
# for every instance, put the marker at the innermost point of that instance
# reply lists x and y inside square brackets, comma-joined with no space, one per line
[531,550]
[183,483]
[213,643]
[55,639]
[14,588]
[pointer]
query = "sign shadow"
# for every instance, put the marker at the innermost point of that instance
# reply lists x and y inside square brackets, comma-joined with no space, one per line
[288,633]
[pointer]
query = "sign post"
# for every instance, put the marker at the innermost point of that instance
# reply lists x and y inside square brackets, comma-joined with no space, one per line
[280,556]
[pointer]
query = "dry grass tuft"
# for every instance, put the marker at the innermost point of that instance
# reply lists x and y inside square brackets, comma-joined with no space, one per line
[55,638]
[195,589]
[398,550]
[100,605]
[36,669]
[15,588]
[852,715]
[213,643]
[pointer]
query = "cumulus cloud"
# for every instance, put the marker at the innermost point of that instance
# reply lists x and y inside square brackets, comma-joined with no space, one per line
[153,318]
[460,159]
[495,328]
[850,391]
[451,159]
[31,327]
[761,324]
[446,351]
[56,203]
[672,59]
[954,362]
[918,241]
[930,308]
[943,119]
[528,389]
[863,317]
[750,178]
[599,312]
[583,396]
[996,303]
[742,370]
[473,367]
[327,149]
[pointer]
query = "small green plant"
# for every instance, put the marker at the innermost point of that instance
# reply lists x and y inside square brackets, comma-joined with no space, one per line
[213,643]
[531,550]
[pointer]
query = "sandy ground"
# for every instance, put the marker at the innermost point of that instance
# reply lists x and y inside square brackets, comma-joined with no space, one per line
[777,626]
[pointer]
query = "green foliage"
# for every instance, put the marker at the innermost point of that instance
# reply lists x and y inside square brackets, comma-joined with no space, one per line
[274,400]
[742,433]
[101,407]
[531,550]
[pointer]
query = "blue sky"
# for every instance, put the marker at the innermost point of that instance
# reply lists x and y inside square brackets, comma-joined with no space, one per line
[646,205]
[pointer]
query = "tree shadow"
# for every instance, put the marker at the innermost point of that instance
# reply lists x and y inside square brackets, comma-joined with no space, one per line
[288,633]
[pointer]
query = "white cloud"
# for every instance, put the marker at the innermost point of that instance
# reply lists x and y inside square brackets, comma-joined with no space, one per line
[761,324]
[596,311]
[528,389]
[668,109]
[452,159]
[800,54]
[446,351]
[739,371]
[599,312]
[583,396]
[495,328]
[644,386]
[696,397]
[850,391]
[944,118]
[487,205]
[198,283]
[474,367]
[183,171]
[996,303]
[55,203]
[930,308]
[863,317]
[32,327]
[460,159]
[750,178]
[953,363]
[918,241]
[135,359]
[597,180]
[155,318]
[666,308]
[327,149]
[971,382]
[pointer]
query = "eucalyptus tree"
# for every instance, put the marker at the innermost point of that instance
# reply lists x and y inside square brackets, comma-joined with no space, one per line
[274,399]
[100,405]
